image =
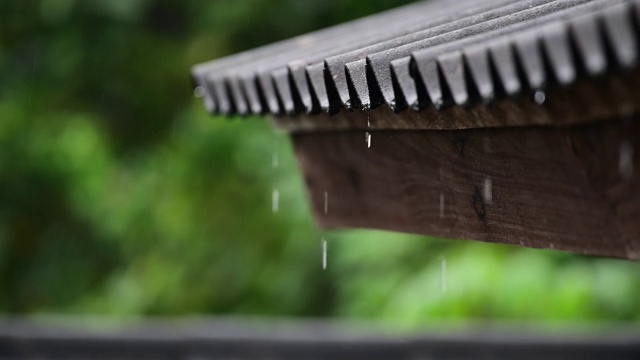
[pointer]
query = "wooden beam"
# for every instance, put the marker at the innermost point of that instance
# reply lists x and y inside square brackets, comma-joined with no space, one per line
[567,188]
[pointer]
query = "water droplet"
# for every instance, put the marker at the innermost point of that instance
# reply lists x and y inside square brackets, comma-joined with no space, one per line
[551,246]
[443,274]
[626,160]
[324,254]
[326,202]
[487,191]
[539,97]
[275,201]
[347,104]
[438,104]
[198,92]
[368,139]
[442,205]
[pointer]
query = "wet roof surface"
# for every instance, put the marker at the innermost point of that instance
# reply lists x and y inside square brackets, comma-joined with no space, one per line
[429,54]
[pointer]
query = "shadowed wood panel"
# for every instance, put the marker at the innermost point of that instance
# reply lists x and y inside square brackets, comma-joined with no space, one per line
[568,188]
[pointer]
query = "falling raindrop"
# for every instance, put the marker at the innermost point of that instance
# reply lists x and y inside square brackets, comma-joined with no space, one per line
[443,274]
[442,205]
[487,191]
[275,201]
[368,134]
[626,160]
[539,97]
[326,202]
[198,92]
[324,254]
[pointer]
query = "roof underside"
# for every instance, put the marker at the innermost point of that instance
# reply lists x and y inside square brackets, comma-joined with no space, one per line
[429,54]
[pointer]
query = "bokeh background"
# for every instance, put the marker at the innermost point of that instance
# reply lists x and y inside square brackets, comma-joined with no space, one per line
[120,196]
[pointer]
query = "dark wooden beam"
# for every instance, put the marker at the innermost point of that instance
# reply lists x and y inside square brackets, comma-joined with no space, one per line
[568,188]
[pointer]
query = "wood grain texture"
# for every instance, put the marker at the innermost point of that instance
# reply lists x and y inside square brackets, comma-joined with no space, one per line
[588,100]
[550,187]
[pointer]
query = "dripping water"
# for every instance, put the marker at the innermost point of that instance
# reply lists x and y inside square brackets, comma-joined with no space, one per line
[368,133]
[442,205]
[275,162]
[324,254]
[539,97]
[198,92]
[487,190]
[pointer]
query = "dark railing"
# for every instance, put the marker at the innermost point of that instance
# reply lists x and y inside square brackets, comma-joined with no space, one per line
[237,339]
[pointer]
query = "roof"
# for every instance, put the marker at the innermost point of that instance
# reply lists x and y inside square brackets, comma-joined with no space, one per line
[428,55]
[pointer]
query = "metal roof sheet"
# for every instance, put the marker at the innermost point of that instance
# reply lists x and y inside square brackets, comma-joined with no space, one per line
[428,54]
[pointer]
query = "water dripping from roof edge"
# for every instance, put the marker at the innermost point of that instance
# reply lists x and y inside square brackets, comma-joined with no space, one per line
[198,92]
[539,97]
[368,134]
[487,190]
[324,253]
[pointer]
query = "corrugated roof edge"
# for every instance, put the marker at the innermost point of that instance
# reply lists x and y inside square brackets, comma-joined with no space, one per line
[588,40]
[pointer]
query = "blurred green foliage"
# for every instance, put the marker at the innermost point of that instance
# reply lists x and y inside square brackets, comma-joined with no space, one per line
[120,196]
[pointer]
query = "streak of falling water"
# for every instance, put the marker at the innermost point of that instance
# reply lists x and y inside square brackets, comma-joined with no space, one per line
[442,205]
[368,134]
[326,202]
[443,274]
[324,254]
[487,191]
[275,201]
[626,160]
[539,97]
